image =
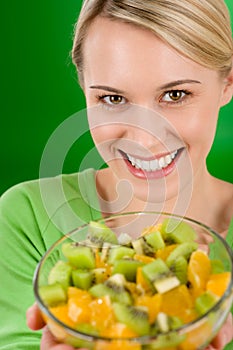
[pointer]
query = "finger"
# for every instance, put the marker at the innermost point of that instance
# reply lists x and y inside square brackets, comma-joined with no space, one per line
[48,342]
[34,318]
[224,336]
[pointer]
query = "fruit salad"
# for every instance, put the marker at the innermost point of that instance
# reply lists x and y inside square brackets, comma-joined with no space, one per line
[123,288]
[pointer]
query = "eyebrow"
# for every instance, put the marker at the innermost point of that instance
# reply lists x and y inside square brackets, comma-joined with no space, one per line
[107,88]
[162,87]
[179,82]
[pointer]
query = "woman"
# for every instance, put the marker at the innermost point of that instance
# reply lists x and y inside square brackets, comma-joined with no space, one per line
[155,74]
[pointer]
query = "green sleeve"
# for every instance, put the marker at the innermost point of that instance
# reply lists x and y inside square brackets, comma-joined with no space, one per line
[29,224]
[21,247]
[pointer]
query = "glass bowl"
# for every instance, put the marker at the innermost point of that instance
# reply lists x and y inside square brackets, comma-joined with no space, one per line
[196,334]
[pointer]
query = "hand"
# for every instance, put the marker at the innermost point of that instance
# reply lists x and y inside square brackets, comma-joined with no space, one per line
[224,336]
[36,322]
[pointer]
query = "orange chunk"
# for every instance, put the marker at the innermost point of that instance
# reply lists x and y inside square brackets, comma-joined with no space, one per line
[163,253]
[199,269]
[118,330]
[143,258]
[178,302]
[61,313]
[78,305]
[141,281]
[74,292]
[153,304]
[117,345]
[218,283]
[101,313]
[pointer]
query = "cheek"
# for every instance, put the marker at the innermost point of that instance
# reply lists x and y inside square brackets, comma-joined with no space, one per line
[105,134]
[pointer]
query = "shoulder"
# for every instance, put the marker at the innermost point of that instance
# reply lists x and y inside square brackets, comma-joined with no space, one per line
[38,194]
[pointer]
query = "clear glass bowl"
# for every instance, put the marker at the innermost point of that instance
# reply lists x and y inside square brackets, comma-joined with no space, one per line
[194,335]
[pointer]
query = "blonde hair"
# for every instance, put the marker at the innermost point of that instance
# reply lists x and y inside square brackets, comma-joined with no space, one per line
[198,29]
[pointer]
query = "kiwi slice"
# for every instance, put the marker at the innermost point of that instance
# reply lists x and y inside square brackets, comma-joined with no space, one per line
[205,302]
[142,247]
[165,323]
[159,276]
[136,318]
[155,240]
[155,270]
[176,231]
[99,275]
[60,273]
[100,233]
[114,287]
[124,239]
[183,249]
[164,284]
[167,341]
[53,294]
[82,278]
[180,267]
[87,328]
[78,255]
[119,253]
[127,267]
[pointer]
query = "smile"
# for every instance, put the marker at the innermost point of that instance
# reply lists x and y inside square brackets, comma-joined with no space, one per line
[152,165]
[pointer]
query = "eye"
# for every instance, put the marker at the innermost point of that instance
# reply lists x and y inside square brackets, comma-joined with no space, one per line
[112,99]
[174,96]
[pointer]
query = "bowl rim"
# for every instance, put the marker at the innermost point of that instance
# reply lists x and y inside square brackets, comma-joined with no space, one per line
[146,338]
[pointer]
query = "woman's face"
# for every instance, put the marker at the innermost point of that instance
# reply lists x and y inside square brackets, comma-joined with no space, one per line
[154,111]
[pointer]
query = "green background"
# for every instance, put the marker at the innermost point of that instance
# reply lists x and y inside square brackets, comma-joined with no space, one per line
[39,90]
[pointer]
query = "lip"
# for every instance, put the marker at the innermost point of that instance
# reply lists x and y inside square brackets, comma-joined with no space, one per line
[151,175]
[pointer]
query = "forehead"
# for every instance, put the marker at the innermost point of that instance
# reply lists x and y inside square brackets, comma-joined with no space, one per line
[112,47]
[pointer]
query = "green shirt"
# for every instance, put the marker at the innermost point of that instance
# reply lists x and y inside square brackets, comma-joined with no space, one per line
[33,215]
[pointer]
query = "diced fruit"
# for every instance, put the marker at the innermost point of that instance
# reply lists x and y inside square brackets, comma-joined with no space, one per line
[102,316]
[100,233]
[52,294]
[183,249]
[141,247]
[218,283]
[134,317]
[177,231]
[159,275]
[155,240]
[130,288]
[165,252]
[61,313]
[178,302]
[152,303]
[180,267]
[127,267]
[60,273]
[199,268]
[114,288]
[79,309]
[168,341]
[87,328]
[155,270]
[79,256]
[118,330]
[82,279]
[164,284]
[117,253]
[205,302]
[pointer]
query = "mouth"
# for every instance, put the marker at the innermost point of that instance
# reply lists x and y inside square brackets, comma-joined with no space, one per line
[160,165]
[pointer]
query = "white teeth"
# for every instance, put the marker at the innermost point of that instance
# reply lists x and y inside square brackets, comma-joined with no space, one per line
[152,165]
